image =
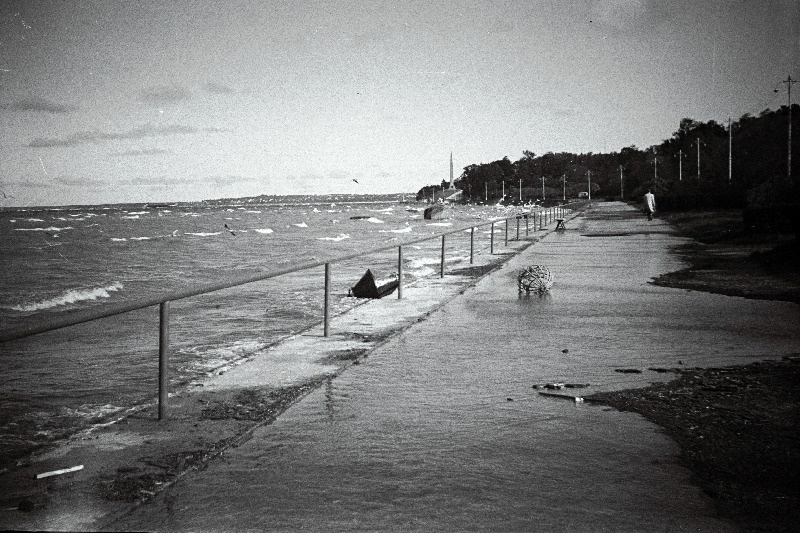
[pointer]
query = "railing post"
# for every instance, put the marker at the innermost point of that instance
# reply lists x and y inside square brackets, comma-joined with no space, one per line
[163,358]
[491,241]
[399,272]
[526,224]
[471,244]
[327,311]
[518,226]
[506,224]
[441,268]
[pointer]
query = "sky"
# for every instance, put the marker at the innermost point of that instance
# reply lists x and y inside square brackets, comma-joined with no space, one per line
[112,101]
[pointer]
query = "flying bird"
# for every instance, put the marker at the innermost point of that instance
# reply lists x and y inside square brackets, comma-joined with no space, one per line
[356,181]
[229,229]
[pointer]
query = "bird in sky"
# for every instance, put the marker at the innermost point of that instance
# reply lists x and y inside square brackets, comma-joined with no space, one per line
[355,180]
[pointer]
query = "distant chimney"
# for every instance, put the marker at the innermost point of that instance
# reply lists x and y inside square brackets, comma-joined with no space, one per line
[451,170]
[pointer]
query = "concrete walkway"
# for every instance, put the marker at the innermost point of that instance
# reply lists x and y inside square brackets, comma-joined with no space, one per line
[439,429]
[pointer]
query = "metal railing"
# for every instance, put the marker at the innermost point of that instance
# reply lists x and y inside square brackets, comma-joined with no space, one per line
[545,217]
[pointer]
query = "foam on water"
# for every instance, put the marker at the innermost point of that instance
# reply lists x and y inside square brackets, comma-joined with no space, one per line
[51,228]
[340,237]
[69,297]
[407,229]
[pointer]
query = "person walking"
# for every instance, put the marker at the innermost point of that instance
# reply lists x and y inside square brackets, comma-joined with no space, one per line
[650,203]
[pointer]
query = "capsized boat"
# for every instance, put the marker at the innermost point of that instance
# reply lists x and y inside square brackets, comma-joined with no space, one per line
[366,287]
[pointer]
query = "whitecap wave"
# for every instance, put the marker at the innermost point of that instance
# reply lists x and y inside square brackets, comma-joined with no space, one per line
[51,228]
[264,231]
[440,224]
[204,234]
[407,229]
[375,220]
[340,237]
[301,225]
[70,297]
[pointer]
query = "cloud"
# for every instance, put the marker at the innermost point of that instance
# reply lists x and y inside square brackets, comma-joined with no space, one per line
[141,152]
[96,136]
[39,105]
[163,95]
[217,88]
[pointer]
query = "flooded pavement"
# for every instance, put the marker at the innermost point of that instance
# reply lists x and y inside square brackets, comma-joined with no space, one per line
[440,428]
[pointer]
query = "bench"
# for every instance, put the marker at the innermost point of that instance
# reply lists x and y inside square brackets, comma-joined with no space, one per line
[560,223]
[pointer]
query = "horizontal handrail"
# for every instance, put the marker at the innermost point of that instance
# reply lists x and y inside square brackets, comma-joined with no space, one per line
[89,315]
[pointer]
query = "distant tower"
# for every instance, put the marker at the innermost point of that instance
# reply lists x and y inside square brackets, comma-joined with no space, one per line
[451,170]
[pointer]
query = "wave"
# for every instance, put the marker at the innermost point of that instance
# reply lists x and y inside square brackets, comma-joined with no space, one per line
[264,231]
[202,234]
[70,297]
[341,237]
[51,228]
[375,220]
[440,224]
[407,229]
[301,225]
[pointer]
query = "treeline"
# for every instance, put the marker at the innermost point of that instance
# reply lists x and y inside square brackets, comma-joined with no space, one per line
[759,147]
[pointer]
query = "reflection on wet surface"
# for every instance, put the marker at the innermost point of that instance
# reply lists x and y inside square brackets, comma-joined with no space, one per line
[441,430]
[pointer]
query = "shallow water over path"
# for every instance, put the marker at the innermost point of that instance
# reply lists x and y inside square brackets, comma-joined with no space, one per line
[440,430]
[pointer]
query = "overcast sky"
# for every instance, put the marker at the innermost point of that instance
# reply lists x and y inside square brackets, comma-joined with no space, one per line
[122,101]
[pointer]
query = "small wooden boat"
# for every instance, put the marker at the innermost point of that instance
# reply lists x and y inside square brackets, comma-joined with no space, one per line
[366,287]
[434,212]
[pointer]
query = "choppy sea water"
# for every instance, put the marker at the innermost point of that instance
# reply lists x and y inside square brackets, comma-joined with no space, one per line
[56,261]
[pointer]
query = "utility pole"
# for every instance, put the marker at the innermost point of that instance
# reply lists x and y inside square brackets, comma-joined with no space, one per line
[542,188]
[485,191]
[564,183]
[504,189]
[621,185]
[589,174]
[520,190]
[655,171]
[730,152]
[789,81]
[698,158]
[680,165]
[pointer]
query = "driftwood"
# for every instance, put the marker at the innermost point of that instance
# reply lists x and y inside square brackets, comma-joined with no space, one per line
[59,472]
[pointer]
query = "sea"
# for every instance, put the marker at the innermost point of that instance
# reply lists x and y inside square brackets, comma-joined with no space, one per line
[57,261]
